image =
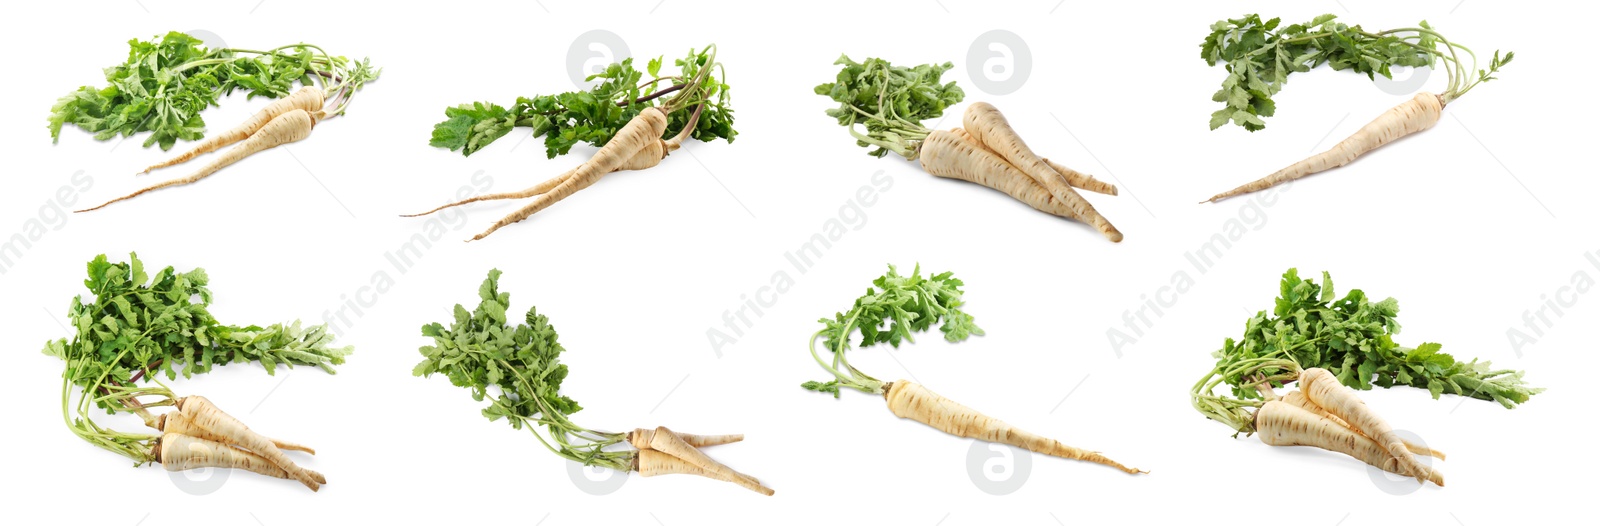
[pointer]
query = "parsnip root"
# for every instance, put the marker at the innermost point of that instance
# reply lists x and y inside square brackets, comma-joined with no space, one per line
[640,438]
[651,463]
[909,400]
[1412,116]
[1323,389]
[309,98]
[665,441]
[203,414]
[289,127]
[178,422]
[178,452]
[1282,424]
[1298,399]
[986,124]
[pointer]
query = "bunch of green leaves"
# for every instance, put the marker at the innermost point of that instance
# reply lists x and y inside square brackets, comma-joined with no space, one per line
[595,115]
[1260,56]
[890,102]
[891,311]
[518,369]
[1352,337]
[139,325]
[166,83]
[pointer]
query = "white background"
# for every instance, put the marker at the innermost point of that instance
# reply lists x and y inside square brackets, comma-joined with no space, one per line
[1469,224]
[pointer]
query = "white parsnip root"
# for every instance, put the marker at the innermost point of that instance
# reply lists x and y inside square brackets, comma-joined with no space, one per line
[291,126]
[910,400]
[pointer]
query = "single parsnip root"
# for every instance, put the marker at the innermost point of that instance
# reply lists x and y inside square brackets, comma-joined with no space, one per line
[289,127]
[1298,399]
[179,422]
[1412,116]
[641,133]
[954,154]
[986,124]
[640,438]
[665,441]
[1279,423]
[909,400]
[178,452]
[309,98]
[203,414]
[1324,390]
[650,463]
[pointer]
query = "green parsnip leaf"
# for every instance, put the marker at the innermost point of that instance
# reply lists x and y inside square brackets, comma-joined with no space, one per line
[592,117]
[891,311]
[889,101]
[1260,55]
[166,83]
[517,368]
[1352,337]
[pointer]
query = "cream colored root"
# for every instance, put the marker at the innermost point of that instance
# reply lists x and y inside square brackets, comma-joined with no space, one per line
[912,401]
[650,463]
[206,415]
[1050,205]
[640,438]
[986,124]
[646,158]
[1280,423]
[666,441]
[1412,116]
[1298,399]
[643,133]
[1074,178]
[178,422]
[178,452]
[309,98]
[1323,389]
[283,129]
[1082,180]
[520,194]
[955,155]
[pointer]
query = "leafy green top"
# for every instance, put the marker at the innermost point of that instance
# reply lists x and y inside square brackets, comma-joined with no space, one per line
[522,363]
[890,102]
[165,84]
[1259,57]
[907,305]
[1351,337]
[594,116]
[138,325]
